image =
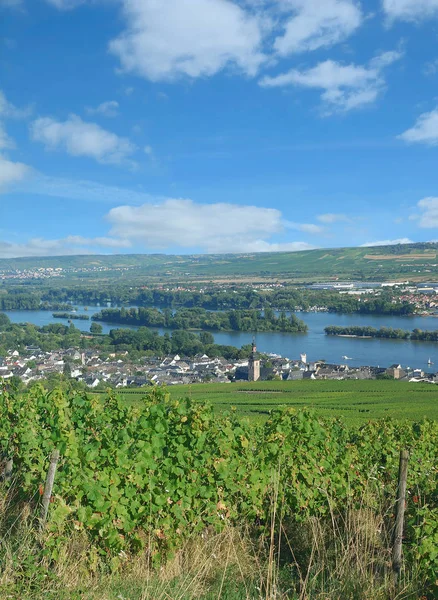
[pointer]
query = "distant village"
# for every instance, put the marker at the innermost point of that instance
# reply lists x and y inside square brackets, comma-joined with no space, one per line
[117,371]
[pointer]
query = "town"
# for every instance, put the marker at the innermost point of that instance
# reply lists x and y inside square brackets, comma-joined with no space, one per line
[99,370]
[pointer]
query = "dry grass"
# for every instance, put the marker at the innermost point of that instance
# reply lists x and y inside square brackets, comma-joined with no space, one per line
[343,557]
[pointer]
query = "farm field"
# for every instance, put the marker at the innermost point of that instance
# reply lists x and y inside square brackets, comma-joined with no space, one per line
[355,401]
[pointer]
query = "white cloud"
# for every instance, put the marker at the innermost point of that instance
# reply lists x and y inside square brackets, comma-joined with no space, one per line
[317,24]
[410,10]
[183,223]
[305,227]
[110,108]
[424,131]
[431,68]
[80,138]
[11,172]
[166,39]
[428,217]
[388,242]
[329,218]
[73,244]
[345,87]
[105,242]
[5,140]
[8,110]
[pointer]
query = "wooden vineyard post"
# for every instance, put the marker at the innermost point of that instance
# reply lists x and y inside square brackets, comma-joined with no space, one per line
[399,515]
[50,479]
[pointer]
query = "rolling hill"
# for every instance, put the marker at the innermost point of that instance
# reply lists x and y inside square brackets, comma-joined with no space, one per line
[405,261]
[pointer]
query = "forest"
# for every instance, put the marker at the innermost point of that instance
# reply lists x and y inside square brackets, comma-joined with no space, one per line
[199,318]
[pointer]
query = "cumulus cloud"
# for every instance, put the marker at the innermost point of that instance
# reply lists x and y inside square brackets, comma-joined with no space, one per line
[428,217]
[345,87]
[424,131]
[69,245]
[79,138]
[11,172]
[330,218]
[388,242]
[410,10]
[166,39]
[217,227]
[110,108]
[317,24]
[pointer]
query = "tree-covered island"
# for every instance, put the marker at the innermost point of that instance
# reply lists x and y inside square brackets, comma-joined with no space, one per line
[198,318]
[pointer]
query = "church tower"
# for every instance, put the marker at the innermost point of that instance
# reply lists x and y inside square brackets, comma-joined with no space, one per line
[253,364]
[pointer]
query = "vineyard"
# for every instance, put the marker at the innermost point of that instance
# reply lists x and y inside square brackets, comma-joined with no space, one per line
[142,479]
[356,401]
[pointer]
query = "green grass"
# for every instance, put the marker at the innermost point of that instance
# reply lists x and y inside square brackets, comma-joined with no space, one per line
[354,401]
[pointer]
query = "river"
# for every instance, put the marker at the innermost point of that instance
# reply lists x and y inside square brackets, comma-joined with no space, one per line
[377,352]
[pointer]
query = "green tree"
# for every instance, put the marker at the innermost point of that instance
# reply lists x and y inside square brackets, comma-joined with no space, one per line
[206,337]
[67,370]
[4,320]
[96,329]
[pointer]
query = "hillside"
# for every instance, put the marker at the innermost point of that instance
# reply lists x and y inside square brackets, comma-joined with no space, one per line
[414,261]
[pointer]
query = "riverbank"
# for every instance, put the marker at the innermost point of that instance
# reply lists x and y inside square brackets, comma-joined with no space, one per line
[345,335]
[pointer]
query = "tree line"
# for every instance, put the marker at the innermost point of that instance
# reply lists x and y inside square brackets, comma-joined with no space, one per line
[383,332]
[211,298]
[30,301]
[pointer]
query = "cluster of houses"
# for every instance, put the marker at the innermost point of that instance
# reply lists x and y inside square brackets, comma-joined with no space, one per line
[36,273]
[117,371]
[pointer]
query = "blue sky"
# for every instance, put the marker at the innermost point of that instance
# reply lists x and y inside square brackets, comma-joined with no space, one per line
[185,126]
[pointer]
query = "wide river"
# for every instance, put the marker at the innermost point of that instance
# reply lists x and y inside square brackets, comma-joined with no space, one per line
[315,343]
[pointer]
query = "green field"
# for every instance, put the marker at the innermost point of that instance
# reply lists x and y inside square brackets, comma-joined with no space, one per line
[355,401]
[377,263]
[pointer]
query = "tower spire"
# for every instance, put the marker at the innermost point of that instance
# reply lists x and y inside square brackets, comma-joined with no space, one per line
[253,363]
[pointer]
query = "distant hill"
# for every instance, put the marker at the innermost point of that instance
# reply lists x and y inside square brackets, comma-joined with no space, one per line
[404,261]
